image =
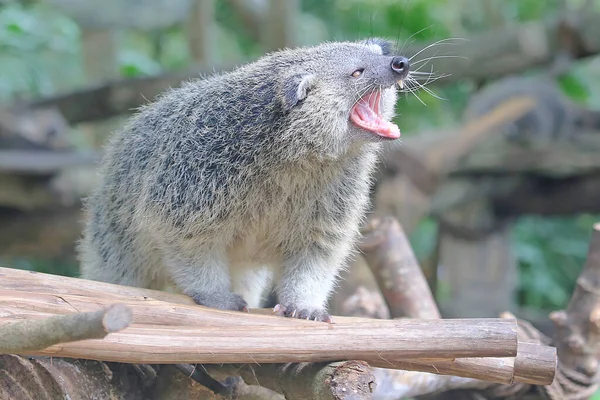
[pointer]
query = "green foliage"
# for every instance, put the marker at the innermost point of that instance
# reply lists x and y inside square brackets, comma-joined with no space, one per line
[56,267]
[551,253]
[33,40]
[575,87]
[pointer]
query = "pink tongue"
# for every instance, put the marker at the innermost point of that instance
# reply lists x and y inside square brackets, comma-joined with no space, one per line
[365,115]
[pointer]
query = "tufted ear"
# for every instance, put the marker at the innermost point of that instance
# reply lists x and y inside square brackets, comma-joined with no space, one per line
[295,88]
[385,46]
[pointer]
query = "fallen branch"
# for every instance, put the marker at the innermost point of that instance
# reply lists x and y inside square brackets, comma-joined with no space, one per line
[34,335]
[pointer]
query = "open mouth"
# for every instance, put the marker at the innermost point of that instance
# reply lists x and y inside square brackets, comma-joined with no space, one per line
[366,115]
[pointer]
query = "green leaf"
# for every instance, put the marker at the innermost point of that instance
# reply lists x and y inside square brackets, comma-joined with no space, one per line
[574,87]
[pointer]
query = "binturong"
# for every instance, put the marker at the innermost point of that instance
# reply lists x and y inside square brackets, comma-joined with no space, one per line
[247,181]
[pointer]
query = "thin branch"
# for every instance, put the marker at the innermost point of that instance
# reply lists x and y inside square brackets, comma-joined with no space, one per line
[38,334]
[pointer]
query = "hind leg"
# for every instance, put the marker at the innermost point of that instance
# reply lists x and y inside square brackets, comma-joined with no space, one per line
[202,273]
[105,258]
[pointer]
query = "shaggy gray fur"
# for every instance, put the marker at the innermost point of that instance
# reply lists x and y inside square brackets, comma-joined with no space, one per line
[234,182]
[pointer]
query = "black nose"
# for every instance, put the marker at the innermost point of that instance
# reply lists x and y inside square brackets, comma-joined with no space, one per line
[400,65]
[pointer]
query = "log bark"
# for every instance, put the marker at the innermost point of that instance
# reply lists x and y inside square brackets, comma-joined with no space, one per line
[51,378]
[32,335]
[307,381]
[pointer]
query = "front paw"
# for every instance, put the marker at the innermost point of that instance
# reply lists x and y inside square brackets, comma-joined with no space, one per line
[222,301]
[291,311]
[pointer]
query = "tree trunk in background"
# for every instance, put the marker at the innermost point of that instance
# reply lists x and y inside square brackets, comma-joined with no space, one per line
[200,30]
[481,274]
[100,62]
[280,25]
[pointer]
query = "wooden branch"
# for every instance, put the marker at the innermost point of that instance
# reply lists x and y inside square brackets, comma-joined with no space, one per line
[399,276]
[279,27]
[489,55]
[535,364]
[37,334]
[40,234]
[490,369]
[203,378]
[260,339]
[119,96]
[552,159]
[543,196]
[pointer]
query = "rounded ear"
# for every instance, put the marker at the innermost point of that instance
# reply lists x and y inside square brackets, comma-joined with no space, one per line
[295,88]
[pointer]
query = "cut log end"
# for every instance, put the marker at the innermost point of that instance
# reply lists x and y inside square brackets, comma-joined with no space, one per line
[352,380]
[116,318]
[535,364]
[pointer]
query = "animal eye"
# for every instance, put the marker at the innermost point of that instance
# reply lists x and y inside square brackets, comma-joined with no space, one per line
[357,73]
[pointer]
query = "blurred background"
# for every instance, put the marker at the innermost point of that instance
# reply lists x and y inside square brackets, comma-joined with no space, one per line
[503,226]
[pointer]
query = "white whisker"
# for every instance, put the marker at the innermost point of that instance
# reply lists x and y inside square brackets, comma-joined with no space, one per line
[434,44]
[411,36]
[437,57]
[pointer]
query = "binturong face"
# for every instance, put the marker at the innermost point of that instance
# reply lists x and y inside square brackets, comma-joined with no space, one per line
[346,90]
